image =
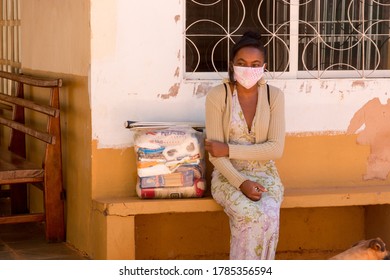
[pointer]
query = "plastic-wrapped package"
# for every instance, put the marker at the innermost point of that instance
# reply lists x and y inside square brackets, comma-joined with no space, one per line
[170,162]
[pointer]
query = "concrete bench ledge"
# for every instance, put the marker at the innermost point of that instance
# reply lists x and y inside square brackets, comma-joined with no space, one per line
[293,198]
[114,219]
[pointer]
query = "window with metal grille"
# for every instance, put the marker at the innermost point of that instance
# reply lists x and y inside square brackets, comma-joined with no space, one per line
[304,38]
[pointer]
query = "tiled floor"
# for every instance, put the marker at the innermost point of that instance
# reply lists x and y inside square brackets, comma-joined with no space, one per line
[27,242]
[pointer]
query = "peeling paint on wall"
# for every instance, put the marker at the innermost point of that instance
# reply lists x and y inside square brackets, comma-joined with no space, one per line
[315,133]
[301,87]
[358,83]
[202,89]
[308,87]
[324,85]
[375,118]
[177,72]
[173,92]
[334,88]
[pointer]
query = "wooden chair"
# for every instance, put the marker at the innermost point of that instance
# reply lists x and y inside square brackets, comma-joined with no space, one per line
[16,171]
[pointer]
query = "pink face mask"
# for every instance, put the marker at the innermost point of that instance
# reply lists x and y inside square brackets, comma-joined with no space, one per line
[248,76]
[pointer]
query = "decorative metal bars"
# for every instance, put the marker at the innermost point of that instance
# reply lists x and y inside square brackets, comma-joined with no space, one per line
[304,38]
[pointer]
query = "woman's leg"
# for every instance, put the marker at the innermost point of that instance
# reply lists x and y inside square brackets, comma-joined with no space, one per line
[254,225]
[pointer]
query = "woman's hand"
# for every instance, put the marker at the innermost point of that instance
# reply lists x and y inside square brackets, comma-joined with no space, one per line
[216,148]
[252,190]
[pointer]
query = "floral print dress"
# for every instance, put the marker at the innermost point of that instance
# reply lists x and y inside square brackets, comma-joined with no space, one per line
[254,225]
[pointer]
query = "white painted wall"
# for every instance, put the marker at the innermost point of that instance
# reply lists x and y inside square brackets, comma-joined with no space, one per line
[137,55]
[316,106]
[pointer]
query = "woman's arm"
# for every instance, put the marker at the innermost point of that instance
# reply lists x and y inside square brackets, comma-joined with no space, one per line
[214,130]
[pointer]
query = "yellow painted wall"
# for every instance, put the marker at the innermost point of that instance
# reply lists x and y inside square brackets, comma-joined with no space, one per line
[377,222]
[114,172]
[55,37]
[324,160]
[309,233]
[308,161]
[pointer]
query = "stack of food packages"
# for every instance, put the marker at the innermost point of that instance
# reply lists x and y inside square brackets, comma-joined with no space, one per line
[170,162]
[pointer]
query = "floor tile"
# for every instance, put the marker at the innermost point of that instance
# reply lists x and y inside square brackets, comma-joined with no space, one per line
[27,242]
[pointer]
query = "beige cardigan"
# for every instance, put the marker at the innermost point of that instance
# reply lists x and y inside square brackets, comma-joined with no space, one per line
[269,129]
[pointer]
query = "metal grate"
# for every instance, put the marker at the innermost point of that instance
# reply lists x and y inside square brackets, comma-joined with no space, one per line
[344,35]
[212,26]
[304,38]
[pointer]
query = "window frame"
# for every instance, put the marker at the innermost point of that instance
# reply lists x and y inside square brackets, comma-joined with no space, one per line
[292,72]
